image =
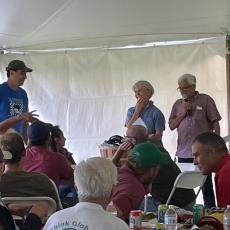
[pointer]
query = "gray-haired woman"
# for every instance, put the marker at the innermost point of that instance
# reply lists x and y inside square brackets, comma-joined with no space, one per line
[146,113]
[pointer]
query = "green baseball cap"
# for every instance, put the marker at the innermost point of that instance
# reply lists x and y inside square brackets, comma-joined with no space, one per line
[17,64]
[147,155]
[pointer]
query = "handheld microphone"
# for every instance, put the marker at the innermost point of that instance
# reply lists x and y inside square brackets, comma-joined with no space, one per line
[186,99]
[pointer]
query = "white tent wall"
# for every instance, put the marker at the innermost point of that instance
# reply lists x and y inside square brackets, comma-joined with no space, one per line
[88,93]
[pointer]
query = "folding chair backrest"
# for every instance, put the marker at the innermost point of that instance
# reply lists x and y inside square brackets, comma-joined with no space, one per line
[57,193]
[49,203]
[188,180]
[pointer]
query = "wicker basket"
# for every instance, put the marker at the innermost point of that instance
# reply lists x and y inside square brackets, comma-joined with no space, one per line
[108,152]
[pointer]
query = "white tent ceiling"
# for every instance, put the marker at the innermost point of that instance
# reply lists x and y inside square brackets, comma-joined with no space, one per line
[45,24]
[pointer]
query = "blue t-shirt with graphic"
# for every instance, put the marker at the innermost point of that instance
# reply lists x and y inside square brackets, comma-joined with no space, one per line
[12,103]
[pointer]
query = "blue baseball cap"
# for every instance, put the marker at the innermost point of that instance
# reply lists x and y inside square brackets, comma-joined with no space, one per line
[38,131]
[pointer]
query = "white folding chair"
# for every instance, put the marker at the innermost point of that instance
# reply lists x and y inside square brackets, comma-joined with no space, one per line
[187,167]
[227,138]
[49,203]
[59,199]
[188,180]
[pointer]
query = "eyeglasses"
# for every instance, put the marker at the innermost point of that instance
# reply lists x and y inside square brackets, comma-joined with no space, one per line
[183,88]
[126,138]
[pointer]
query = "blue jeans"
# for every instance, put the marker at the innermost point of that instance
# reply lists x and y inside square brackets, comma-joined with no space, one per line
[68,195]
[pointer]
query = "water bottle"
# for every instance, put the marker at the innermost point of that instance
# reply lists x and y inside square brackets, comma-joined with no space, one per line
[226,218]
[171,218]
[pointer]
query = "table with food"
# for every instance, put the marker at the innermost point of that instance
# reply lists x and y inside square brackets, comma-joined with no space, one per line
[178,218]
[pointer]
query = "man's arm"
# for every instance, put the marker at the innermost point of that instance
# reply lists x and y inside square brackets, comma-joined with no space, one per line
[9,122]
[124,147]
[216,127]
[174,121]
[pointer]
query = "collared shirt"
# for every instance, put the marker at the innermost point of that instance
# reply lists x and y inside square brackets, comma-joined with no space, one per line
[200,119]
[222,182]
[152,117]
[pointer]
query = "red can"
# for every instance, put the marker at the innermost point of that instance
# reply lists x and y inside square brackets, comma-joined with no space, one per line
[135,218]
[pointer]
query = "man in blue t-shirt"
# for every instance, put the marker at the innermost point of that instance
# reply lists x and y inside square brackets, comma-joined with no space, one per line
[14,101]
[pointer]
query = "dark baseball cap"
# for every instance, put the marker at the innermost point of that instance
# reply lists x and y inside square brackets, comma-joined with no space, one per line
[147,155]
[38,131]
[18,65]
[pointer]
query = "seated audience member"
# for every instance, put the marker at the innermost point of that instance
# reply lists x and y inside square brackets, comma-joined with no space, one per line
[135,177]
[67,190]
[160,189]
[94,179]
[36,212]
[39,158]
[17,182]
[211,155]
[57,143]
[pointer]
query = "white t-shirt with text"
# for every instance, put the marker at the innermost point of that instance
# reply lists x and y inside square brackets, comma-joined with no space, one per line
[84,216]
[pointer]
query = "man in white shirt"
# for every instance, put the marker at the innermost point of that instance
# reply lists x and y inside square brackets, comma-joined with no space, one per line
[94,179]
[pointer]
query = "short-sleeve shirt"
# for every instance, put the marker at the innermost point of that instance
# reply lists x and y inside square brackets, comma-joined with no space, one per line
[222,182]
[203,113]
[128,192]
[152,117]
[27,184]
[84,216]
[12,103]
[53,164]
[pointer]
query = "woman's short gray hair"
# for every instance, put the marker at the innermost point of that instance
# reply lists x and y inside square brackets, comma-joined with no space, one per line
[94,178]
[191,79]
[143,84]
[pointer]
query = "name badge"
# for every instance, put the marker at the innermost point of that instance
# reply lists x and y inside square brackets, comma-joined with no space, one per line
[199,108]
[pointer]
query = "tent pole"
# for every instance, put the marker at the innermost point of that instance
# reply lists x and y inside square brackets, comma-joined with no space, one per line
[228,78]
